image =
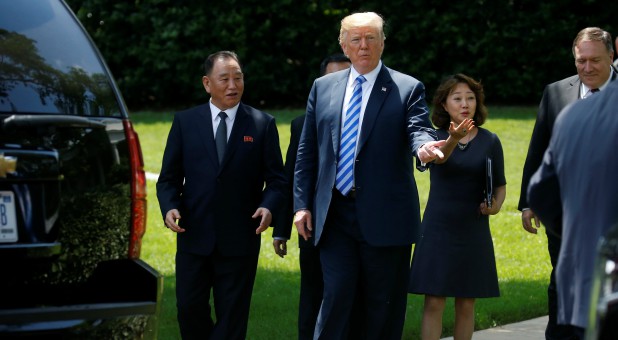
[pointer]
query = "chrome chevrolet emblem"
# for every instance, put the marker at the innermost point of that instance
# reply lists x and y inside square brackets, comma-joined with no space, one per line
[8,165]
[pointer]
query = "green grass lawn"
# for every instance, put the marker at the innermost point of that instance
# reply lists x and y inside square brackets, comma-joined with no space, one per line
[522,258]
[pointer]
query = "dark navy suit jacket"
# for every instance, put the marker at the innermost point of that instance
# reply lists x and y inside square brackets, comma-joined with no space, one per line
[283,224]
[576,184]
[216,202]
[395,124]
[556,97]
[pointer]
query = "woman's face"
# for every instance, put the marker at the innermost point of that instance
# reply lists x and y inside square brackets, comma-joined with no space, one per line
[460,103]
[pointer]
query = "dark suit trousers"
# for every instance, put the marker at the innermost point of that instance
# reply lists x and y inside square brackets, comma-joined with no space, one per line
[231,280]
[350,264]
[311,286]
[555,331]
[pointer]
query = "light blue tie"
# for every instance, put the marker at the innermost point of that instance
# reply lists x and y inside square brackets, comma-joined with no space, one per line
[347,144]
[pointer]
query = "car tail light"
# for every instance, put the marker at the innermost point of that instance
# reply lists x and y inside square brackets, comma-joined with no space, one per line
[138,191]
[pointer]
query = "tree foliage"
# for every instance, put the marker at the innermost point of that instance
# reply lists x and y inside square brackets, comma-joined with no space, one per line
[156,48]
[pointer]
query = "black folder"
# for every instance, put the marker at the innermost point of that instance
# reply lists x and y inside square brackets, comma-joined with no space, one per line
[489,181]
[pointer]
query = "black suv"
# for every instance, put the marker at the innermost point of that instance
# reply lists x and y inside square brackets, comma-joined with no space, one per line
[72,186]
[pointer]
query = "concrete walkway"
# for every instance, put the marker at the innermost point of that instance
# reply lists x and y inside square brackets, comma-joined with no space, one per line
[525,330]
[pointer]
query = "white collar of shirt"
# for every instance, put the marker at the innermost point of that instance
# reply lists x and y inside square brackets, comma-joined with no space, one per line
[366,86]
[231,115]
[583,90]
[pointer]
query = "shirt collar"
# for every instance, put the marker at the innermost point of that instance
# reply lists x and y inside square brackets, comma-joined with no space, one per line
[231,112]
[370,77]
[585,89]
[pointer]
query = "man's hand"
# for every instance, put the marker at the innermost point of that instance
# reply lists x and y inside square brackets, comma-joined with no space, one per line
[430,151]
[267,218]
[302,220]
[171,219]
[281,247]
[526,220]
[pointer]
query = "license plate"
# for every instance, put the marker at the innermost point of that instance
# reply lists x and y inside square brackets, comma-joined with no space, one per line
[8,222]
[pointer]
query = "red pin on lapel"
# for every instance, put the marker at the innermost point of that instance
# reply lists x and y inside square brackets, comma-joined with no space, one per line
[248,139]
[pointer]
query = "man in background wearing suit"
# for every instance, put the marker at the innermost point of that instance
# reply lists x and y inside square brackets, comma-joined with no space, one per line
[311,285]
[359,200]
[576,184]
[593,54]
[221,176]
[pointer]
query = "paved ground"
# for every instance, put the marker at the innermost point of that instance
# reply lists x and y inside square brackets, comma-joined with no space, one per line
[526,330]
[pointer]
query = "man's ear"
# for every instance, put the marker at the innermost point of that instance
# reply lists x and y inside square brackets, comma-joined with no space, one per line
[206,83]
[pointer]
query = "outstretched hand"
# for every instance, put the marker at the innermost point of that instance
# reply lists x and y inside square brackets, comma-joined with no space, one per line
[430,151]
[463,129]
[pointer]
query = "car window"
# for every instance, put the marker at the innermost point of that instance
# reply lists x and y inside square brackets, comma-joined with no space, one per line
[37,75]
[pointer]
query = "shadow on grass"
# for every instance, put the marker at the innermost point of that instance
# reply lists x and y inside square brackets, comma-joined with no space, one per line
[518,301]
[274,307]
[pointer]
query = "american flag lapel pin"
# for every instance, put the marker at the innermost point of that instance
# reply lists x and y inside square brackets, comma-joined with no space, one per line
[248,139]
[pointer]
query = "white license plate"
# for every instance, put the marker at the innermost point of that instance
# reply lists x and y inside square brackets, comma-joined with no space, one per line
[8,222]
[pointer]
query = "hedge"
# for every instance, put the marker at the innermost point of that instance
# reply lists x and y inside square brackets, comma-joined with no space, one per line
[156,48]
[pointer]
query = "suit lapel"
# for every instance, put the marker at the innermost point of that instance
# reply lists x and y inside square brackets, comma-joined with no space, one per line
[571,93]
[204,124]
[337,94]
[380,91]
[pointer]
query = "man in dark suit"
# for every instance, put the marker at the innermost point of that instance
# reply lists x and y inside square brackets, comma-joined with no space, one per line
[576,184]
[593,53]
[221,176]
[311,285]
[358,200]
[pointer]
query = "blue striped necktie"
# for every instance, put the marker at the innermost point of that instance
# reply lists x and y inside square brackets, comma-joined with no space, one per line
[347,144]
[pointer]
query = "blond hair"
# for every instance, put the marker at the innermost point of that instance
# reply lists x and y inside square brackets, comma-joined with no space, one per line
[364,19]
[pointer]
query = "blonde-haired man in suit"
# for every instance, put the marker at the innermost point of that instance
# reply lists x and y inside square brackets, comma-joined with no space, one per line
[354,188]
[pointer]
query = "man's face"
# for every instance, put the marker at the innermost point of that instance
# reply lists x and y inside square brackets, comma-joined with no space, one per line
[335,66]
[364,46]
[225,83]
[593,63]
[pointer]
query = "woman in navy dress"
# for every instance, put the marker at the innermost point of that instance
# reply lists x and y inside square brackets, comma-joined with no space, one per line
[455,255]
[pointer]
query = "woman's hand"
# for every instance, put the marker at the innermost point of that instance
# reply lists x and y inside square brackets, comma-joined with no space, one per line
[462,129]
[495,208]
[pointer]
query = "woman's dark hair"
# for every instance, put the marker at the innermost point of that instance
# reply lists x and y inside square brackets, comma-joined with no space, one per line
[440,118]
